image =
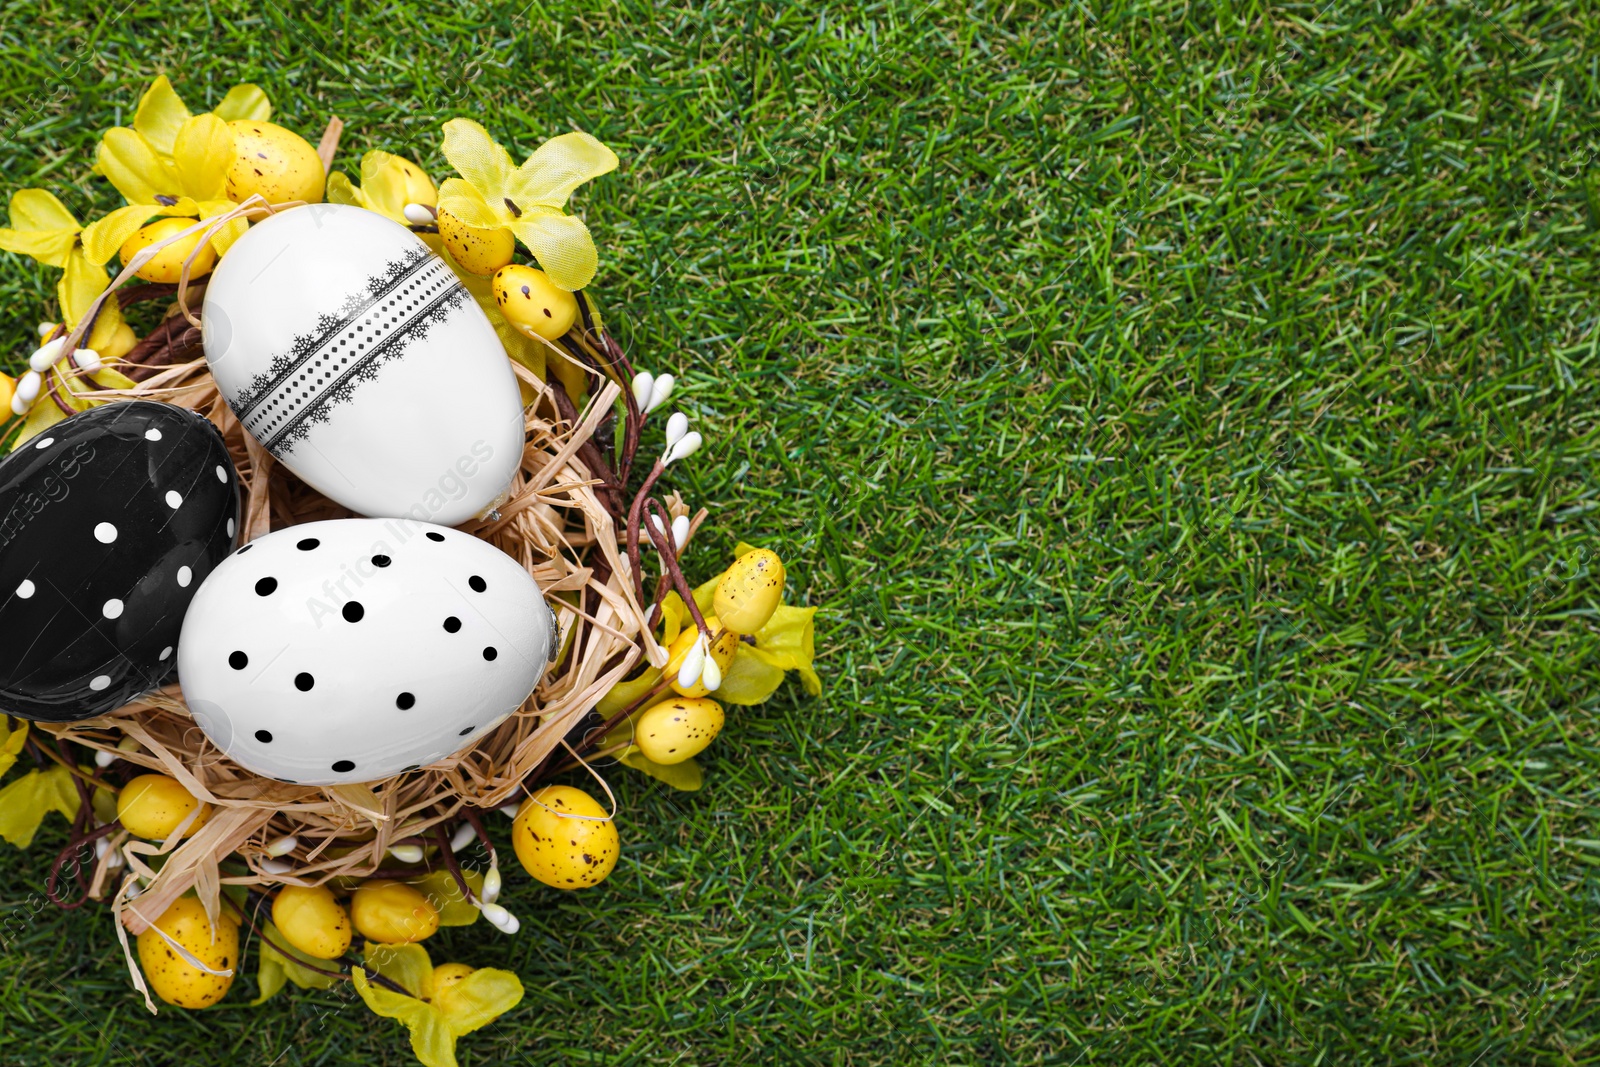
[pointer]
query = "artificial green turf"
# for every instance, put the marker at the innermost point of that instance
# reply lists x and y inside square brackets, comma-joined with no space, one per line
[1184,415]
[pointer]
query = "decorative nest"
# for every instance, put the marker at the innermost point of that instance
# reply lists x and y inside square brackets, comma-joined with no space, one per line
[561,521]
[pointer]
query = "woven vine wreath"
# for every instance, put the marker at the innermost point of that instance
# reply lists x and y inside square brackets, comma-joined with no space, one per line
[570,517]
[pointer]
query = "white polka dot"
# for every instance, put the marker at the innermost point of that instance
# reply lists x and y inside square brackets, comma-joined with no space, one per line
[99,682]
[222,475]
[185,576]
[174,499]
[230,527]
[46,443]
[165,652]
[152,435]
[105,533]
[111,609]
[25,590]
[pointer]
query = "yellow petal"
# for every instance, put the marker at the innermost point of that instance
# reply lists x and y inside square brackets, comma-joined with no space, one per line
[79,285]
[291,963]
[133,166]
[440,887]
[788,641]
[480,998]
[244,102]
[463,200]
[41,227]
[160,113]
[43,415]
[104,237]
[202,154]
[36,209]
[624,693]
[407,965]
[384,185]
[748,679]
[705,595]
[431,1039]
[562,245]
[25,802]
[409,181]
[477,158]
[341,190]
[684,775]
[112,338]
[11,741]
[46,246]
[223,239]
[558,167]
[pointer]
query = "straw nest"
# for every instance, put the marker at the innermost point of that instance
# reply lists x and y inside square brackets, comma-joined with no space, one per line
[558,522]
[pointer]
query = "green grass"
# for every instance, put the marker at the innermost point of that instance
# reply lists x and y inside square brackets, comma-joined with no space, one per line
[1184,415]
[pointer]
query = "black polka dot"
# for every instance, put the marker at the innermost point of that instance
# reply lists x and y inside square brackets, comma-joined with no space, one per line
[265,586]
[477,584]
[307,544]
[343,766]
[353,611]
[490,653]
[264,736]
[404,701]
[467,731]
[452,625]
[304,682]
[434,536]
[381,561]
[238,661]
[245,549]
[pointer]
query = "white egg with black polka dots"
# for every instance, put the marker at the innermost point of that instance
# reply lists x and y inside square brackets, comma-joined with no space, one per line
[357,649]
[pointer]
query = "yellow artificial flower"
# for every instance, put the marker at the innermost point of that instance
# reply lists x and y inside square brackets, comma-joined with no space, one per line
[42,227]
[192,183]
[162,112]
[172,163]
[786,643]
[435,1021]
[388,184]
[528,200]
[25,802]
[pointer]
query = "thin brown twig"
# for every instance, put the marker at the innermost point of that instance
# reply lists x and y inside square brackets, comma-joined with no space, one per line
[74,771]
[633,526]
[661,537]
[474,817]
[449,856]
[74,845]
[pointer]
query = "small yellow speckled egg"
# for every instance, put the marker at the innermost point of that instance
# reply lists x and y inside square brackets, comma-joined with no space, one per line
[722,651]
[311,920]
[531,302]
[392,913]
[275,162]
[673,730]
[560,850]
[482,251]
[167,264]
[152,805]
[173,978]
[445,978]
[750,591]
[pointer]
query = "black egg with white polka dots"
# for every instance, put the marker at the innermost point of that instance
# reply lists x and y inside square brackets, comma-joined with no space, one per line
[109,522]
